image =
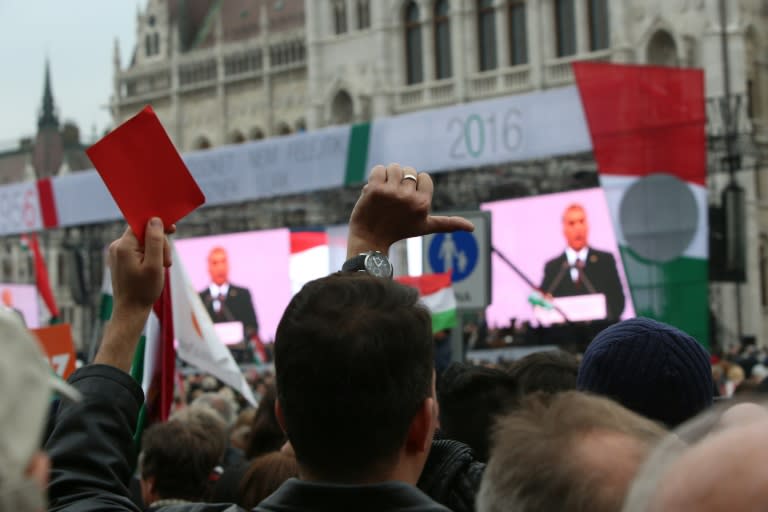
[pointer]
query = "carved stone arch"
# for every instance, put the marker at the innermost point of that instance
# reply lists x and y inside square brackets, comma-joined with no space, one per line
[342,108]
[662,49]
[339,87]
[658,38]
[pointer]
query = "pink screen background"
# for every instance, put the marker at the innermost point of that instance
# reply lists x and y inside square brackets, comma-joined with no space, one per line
[25,300]
[529,233]
[258,260]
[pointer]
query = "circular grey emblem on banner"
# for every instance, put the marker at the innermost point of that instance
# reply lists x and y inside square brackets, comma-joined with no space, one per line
[659,217]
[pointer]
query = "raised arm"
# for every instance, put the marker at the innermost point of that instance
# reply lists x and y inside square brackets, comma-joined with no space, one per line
[91,445]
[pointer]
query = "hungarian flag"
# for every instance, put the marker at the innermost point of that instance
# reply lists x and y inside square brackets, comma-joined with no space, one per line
[309,258]
[29,242]
[159,358]
[198,343]
[648,135]
[436,293]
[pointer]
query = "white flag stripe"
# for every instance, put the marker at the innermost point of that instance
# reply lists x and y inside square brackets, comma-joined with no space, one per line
[440,301]
[198,343]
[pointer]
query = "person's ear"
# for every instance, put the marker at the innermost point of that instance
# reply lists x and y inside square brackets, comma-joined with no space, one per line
[422,427]
[279,414]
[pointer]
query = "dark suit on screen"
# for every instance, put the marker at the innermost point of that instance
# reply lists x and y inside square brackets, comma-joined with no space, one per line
[600,276]
[236,306]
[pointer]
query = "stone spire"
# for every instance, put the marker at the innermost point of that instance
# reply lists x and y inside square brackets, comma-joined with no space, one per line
[48,118]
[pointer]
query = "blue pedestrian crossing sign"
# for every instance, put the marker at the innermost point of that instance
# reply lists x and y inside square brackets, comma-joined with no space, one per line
[466,256]
[455,253]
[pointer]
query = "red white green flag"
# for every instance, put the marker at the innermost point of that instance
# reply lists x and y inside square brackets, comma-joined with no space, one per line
[648,135]
[436,293]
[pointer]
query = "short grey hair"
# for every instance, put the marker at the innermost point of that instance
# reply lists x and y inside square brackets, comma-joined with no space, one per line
[224,407]
[538,463]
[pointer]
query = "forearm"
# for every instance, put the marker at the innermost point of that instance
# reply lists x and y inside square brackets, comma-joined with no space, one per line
[121,336]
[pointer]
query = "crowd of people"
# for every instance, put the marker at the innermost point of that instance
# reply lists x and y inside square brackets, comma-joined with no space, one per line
[355,418]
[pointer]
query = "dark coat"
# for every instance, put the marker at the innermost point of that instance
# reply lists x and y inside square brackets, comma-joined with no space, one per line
[600,271]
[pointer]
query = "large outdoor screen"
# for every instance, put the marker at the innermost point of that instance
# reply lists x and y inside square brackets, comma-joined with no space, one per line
[241,277]
[21,299]
[564,245]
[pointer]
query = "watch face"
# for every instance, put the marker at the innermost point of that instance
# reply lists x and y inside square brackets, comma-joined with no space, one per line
[376,264]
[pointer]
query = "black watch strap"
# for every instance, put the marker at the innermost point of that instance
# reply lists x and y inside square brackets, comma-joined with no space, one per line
[354,264]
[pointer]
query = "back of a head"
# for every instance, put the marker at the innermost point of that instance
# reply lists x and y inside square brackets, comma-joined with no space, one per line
[224,406]
[266,435]
[551,371]
[353,359]
[180,457]
[205,418]
[471,397]
[265,475]
[651,368]
[27,382]
[568,451]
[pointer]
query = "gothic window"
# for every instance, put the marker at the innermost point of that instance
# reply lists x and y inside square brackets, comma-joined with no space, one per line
[599,38]
[342,109]
[413,54]
[518,36]
[565,28]
[442,40]
[363,14]
[486,31]
[662,50]
[152,44]
[340,17]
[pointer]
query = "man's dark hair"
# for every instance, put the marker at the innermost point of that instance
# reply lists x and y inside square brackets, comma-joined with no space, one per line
[471,398]
[353,359]
[181,457]
[551,371]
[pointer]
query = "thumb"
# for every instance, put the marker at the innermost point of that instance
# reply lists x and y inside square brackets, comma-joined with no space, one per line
[442,224]
[154,239]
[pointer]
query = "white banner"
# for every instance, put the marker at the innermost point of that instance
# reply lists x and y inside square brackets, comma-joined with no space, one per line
[513,128]
[19,208]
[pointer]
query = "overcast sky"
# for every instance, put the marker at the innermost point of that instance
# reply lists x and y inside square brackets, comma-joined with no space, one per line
[78,38]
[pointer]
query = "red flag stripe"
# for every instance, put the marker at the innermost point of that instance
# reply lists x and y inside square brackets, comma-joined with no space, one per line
[162,380]
[47,203]
[427,284]
[645,119]
[41,277]
[303,240]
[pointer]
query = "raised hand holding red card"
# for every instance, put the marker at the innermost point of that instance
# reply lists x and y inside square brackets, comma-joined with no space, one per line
[144,173]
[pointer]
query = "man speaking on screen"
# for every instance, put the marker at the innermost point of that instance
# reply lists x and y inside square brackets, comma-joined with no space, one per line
[226,302]
[582,270]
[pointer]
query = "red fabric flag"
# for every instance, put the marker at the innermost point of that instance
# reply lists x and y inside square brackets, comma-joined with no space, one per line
[41,275]
[160,397]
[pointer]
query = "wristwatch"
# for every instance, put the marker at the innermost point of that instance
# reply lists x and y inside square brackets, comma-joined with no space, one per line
[372,262]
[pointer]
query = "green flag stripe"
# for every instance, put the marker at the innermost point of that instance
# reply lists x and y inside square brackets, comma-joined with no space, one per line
[105,312]
[357,153]
[674,292]
[443,320]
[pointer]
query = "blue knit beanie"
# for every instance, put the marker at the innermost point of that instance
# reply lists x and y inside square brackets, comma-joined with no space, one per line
[651,368]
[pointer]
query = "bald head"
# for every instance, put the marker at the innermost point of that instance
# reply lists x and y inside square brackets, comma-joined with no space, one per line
[725,471]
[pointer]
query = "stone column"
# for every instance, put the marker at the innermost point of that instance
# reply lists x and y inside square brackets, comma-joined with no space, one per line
[502,34]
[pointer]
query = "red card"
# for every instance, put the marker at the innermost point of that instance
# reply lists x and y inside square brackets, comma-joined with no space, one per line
[144,173]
